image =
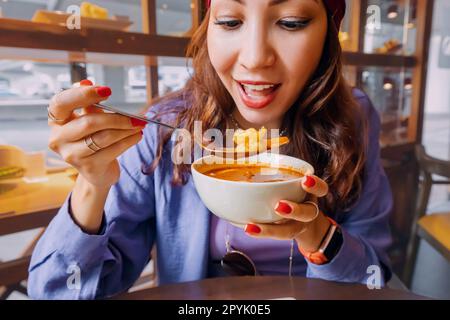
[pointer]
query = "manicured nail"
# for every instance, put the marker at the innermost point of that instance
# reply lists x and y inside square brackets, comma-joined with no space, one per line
[104,91]
[142,133]
[283,207]
[309,182]
[252,228]
[138,123]
[86,82]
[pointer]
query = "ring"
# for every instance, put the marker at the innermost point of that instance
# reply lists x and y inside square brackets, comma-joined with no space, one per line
[53,118]
[91,144]
[317,210]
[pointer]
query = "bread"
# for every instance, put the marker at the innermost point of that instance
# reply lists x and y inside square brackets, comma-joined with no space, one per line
[12,162]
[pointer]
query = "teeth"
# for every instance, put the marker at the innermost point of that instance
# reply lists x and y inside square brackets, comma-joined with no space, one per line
[257,87]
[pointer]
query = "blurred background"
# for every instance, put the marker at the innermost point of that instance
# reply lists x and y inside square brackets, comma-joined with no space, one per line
[397,51]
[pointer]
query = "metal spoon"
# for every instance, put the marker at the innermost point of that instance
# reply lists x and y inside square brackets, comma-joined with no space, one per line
[130,115]
[221,152]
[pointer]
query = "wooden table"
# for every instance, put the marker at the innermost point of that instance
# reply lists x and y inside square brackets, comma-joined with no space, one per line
[263,288]
[25,206]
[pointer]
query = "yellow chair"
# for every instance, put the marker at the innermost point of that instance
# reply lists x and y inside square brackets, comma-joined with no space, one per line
[434,227]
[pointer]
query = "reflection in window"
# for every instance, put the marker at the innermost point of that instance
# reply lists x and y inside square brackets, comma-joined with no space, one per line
[436,133]
[173,74]
[174,17]
[390,91]
[25,90]
[396,32]
[30,83]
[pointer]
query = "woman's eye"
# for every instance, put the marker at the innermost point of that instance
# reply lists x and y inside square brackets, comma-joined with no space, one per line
[293,25]
[228,24]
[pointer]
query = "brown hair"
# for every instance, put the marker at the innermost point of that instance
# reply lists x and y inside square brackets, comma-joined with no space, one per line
[324,124]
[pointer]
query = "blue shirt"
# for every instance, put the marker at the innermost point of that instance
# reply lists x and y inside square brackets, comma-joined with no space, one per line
[143,210]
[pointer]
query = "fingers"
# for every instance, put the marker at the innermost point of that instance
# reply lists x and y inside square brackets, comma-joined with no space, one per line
[103,139]
[302,212]
[315,186]
[89,109]
[285,231]
[79,155]
[90,123]
[64,103]
[112,152]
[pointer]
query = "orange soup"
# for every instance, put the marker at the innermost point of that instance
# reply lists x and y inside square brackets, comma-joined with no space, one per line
[251,173]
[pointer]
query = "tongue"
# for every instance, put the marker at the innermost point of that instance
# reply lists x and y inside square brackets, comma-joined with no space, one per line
[256,93]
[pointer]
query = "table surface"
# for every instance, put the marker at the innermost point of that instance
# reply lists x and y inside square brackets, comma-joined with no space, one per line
[29,205]
[20,197]
[263,288]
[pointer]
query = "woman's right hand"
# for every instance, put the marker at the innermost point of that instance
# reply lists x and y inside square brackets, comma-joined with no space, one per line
[113,133]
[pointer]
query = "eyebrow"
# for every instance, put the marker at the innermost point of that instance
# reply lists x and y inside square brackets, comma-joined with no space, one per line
[271,3]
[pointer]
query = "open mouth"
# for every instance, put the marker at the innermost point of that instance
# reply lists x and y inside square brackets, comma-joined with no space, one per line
[257,95]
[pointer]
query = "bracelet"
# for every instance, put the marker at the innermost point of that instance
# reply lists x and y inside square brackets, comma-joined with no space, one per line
[318,257]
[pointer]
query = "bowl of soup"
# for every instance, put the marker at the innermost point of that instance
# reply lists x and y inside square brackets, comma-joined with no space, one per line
[247,191]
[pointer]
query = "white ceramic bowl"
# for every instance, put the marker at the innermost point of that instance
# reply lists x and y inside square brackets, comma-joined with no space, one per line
[249,202]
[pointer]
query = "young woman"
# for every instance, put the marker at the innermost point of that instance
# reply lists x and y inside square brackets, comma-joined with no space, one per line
[256,63]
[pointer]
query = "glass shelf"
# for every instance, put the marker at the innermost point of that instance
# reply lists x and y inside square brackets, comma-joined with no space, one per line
[173,17]
[395,31]
[390,90]
[388,27]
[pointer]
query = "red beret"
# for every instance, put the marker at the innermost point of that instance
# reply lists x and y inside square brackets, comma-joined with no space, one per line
[335,7]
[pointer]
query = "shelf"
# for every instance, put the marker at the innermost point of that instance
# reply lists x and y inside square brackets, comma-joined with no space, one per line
[378,60]
[397,151]
[27,34]
[31,35]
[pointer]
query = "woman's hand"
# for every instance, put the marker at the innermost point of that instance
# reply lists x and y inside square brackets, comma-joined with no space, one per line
[301,220]
[70,134]
[91,142]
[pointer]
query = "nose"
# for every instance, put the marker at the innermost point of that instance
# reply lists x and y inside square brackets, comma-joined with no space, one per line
[256,51]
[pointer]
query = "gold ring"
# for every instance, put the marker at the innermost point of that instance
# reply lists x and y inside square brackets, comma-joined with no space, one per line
[317,210]
[53,118]
[91,144]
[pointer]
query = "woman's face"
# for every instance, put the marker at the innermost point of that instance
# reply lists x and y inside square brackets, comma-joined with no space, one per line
[265,51]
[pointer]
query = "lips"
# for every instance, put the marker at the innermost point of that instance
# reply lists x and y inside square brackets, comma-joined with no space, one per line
[257,95]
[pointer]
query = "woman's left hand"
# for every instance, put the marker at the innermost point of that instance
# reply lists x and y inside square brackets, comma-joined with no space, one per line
[299,219]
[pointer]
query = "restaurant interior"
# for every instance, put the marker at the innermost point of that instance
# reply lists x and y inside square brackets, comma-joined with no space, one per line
[396,51]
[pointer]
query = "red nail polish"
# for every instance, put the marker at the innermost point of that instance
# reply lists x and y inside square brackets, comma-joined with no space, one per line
[104,91]
[252,228]
[86,82]
[283,207]
[309,182]
[138,123]
[142,133]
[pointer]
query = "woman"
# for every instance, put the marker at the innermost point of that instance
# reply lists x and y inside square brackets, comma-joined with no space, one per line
[257,63]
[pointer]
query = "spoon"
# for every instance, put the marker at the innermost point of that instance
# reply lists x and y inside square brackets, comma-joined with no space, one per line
[130,115]
[221,152]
